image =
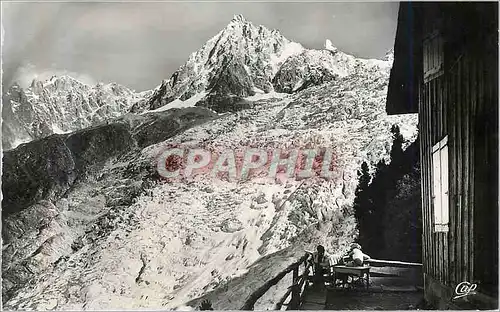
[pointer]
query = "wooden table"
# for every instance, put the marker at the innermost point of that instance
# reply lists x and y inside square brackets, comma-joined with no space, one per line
[352,271]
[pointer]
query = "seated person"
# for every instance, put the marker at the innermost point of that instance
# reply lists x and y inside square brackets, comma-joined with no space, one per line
[321,263]
[355,257]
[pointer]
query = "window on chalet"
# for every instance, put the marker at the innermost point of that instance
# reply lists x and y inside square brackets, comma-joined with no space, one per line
[433,53]
[440,185]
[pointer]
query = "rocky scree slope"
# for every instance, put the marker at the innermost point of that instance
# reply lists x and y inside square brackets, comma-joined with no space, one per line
[36,176]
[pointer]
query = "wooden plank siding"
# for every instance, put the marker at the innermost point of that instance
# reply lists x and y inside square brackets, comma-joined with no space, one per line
[453,49]
[485,178]
[449,105]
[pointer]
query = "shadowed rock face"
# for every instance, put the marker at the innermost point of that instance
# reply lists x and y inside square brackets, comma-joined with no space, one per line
[228,89]
[161,97]
[46,168]
[290,81]
[224,103]
[312,67]
[158,127]
[32,172]
[94,146]
[232,79]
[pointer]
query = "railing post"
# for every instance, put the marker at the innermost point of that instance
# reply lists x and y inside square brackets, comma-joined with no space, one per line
[295,300]
[295,290]
[295,275]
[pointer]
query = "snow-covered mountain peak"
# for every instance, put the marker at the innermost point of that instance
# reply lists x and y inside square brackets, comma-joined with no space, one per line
[329,46]
[60,104]
[34,83]
[64,78]
[241,58]
[238,18]
[56,83]
[389,55]
[239,27]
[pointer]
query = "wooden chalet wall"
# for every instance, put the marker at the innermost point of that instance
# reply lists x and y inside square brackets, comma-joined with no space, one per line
[461,101]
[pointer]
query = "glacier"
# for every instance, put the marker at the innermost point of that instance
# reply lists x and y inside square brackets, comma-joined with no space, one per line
[99,229]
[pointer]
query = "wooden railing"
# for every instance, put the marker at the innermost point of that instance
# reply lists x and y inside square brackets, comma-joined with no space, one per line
[399,272]
[294,292]
[394,264]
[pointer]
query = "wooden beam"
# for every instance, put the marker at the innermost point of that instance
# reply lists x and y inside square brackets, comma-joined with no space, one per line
[398,264]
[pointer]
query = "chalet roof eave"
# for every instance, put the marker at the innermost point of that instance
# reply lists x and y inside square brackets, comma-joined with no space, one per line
[402,96]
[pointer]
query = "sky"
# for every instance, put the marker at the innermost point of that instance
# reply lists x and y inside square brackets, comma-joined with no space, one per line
[138,44]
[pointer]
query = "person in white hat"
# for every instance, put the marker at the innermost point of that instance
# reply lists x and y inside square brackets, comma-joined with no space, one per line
[356,256]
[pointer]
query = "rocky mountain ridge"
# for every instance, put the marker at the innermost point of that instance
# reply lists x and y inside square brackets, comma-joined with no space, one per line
[60,104]
[240,58]
[243,60]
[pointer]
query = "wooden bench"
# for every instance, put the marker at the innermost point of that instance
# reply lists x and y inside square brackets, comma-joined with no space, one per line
[361,272]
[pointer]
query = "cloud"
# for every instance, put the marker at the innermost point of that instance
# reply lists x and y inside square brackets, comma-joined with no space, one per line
[25,75]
